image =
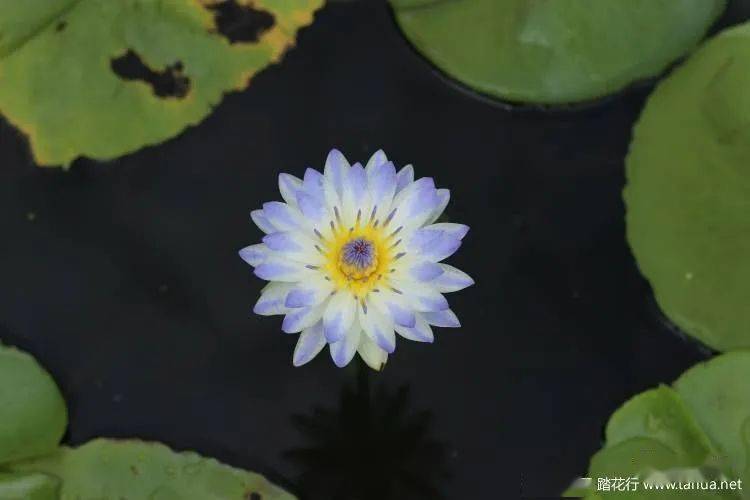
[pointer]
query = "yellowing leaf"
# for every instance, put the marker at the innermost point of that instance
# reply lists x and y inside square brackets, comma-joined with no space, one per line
[58,63]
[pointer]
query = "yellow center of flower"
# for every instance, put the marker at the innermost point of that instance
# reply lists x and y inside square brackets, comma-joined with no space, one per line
[360,257]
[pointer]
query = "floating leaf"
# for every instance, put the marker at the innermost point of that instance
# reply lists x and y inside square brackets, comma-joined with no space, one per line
[553,52]
[32,486]
[101,78]
[33,416]
[106,468]
[688,192]
[698,431]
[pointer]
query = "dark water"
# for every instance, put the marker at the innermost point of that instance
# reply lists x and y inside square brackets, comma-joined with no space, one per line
[127,285]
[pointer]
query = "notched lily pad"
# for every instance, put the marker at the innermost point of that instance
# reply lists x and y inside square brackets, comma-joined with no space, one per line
[33,416]
[106,468]
[102,78]
[688,192]
[554,52]
[696,431]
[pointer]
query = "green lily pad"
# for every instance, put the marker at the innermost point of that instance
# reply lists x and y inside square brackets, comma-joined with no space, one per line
[688,192]
[32,486]
[554,51]
[113,469]
[58,62]
[697,431]
[33,416]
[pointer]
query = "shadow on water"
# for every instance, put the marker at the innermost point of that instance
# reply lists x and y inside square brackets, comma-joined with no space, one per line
[371,446]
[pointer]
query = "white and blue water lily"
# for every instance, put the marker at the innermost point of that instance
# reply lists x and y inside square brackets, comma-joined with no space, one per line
[353,257]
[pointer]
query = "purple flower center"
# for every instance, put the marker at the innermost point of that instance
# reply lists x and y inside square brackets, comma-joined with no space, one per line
[358,253]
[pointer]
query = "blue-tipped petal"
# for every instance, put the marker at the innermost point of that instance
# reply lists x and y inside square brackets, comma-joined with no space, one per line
[400,315]
[339,316]
[405,177]
[378,158]
[281,215]
[254,254]
[343,351]
[336,169]
[452,280]
[425,270]
[288,187]
[282,242]
[260,220]
[277,270]
[298,319]
[446,319]
[382,185]
[311,341]
[312,184]
[421,332]
[271,301]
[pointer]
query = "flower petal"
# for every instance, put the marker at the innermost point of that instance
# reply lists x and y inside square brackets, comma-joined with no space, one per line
[444,195]
[260,220]
[272,297]
[421,297]
[405,178]
[294,246]
[336,170]
[393,306]
[446,319]
[355,199]
[282,216]
[288,187]
[339,316]
[378,327]
[374,356]
[381,183]
[254,254]
[376,159]
[437,241]
[311,341]
[312,184]
[425,270]
[452,280]
[313,208]
[297,320]
[413,206]
[421,332]
[309,293]
[277,269]
[343,351]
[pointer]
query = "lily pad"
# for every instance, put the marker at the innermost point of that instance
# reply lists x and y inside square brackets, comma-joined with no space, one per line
[32,486]
[698,430]
[101,78]
[688,192]
[106,468]
[33,416]
[554,51]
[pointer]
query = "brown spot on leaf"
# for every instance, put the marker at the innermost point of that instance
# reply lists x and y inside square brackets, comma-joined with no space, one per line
[240,23]
[134,470]
[61,26]
[170,82]
[251,495]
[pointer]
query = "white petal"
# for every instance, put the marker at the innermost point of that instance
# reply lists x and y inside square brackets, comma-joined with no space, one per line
[377,326]
[405,178]
[355,199]
[293,245]
[421,332]
[260,220]
[278,269]
[374,356]
[309,293]
[381,182]
[272,298]
[312,184]
[297,320]
[437,241]
[288,187]
[376,159]
[339,315]
[283,217]
[393,306]
[343,351]
[452,280]
[254,254]
[336,170]
[445,319]
[311,341]
[413,206]
[421,297]
[445,196]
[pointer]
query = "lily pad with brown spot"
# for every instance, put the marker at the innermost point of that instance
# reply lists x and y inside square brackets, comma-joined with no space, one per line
[102,78]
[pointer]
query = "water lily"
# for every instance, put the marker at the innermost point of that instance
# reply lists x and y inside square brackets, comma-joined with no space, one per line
[353,257]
